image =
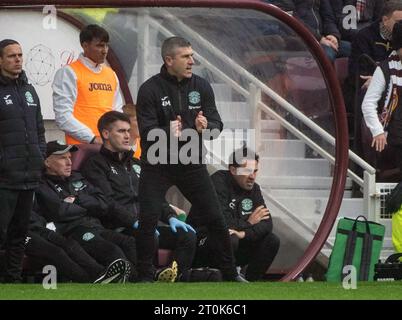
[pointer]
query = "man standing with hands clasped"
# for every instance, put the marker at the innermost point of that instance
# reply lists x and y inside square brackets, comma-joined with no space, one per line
[181,106]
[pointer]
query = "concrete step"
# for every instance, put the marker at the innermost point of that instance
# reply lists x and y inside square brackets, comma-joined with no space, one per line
[223,93]
[230,111]
[316,206]
[295,182]
[272,135]
[295,167]
[281,148]
[236,124]
[308,193]
[270,125]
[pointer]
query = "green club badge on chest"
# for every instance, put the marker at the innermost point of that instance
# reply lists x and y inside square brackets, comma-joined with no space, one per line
[88,236]
[77,185]
[137,169]
[194,97]
[29,97]
[247,204]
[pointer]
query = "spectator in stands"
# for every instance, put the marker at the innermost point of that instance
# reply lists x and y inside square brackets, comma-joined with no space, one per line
[117,173]
[86,89]
[370,46]
[22,150]
[75,206]
[358,15]
[319,18]
[375,42]
[382,107]
[248,219]
[70,260]
[171,101]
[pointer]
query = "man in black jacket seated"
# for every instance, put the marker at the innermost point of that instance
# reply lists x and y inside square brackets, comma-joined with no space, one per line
[74,205]
[117,173]
[248,219]
[22,150]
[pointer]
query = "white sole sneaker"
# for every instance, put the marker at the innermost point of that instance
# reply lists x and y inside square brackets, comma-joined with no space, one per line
[114,272]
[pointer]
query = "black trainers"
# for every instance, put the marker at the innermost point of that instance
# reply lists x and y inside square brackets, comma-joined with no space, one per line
[114,273]
[168,274]
[127,273]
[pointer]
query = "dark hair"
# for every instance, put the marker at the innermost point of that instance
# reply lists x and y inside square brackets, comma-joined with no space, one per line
[4,43]
[238,157]
[93,31]
[390,7]
[110,117]
[170,44]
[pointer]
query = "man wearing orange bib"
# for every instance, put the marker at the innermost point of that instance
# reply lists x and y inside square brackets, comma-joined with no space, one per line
[85,89]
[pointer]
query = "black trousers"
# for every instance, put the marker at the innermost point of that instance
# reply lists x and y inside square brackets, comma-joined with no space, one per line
[105,246]
[195,184]
[69,258]
[257,255]
[15,211]
[182,243]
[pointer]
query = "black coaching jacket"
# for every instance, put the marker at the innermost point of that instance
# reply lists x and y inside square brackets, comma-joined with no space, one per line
[53,199]
[22,134]
[237,204]
[119,179]
[162,98]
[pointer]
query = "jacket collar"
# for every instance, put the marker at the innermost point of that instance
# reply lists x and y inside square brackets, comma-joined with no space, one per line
[22,79]
[114,156]
[56,179]
[166,75]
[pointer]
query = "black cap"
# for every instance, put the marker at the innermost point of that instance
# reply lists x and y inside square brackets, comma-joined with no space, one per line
[59,147]
[397,35]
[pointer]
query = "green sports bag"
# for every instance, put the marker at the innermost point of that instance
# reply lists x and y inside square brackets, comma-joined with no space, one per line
[357,243]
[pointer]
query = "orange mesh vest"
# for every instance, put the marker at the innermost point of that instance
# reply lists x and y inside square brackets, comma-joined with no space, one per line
[137,153]
[95,94]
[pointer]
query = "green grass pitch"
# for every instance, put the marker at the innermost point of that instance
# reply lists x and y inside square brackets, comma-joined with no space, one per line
[205,291]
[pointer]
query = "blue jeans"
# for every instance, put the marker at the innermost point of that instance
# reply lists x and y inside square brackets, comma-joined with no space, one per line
[344,50]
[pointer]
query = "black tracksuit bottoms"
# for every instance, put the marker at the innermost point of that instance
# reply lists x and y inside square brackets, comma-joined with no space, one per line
[196,185]
[105,246]
[182,243]
[15,211]
[69,258]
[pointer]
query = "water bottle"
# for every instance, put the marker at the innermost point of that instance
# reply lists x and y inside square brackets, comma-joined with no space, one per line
[182,216]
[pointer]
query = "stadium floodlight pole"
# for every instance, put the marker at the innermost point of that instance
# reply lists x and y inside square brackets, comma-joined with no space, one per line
[335,95]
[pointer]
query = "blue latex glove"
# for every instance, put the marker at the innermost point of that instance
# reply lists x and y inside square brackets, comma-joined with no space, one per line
[136,225]
[176,223]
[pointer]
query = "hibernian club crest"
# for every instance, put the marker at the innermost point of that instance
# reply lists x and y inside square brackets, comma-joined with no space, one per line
[247,204]
[194,97]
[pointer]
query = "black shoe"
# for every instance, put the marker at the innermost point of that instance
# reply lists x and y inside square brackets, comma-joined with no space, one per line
[114,273]
[240,278]
[127,273]
[168,274]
